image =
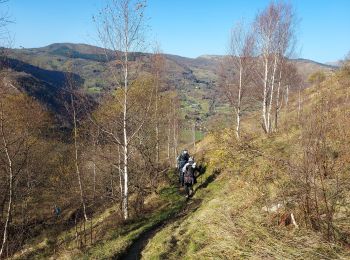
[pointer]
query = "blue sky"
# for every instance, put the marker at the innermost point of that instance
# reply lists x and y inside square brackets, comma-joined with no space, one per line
[184,27]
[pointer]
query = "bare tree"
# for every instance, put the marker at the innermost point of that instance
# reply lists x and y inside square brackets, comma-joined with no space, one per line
[72,108]
[121,28]
[10,174]
[4,38]
[288,79]
[158,65]
[274,28]
[18,126]
[171,125]
[237,70]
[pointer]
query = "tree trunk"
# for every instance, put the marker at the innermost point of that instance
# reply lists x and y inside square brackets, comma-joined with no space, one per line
[194,135]
[169,138]
[125,135]
[299,102]
[157,121]
[10,172]
[77,170]
[94,172]
[95,141]
[239,103]
[278,102]
[175,133]
[271,95]
[264,103]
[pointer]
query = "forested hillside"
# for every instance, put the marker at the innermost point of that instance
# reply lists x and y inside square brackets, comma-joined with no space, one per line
[196,80]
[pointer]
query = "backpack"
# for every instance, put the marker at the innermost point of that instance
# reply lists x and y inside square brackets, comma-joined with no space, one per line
[189,175]
[183,159]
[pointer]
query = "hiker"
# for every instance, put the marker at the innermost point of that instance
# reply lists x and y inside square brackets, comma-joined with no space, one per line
[189,178]
[56,211]
[182,159]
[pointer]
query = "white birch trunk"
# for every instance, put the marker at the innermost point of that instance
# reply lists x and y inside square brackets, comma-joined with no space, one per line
[264,104]
[125,138]
[10,172]
[169,138]
[239,103]
[277,107]
[157,120]
[271,94]
[175,133]
[120,175]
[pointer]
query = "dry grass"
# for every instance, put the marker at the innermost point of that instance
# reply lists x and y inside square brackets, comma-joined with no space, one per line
[231,225]
[230,222]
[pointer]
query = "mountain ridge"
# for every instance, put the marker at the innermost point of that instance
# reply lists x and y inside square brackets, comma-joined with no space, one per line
[92,49]
[194,79]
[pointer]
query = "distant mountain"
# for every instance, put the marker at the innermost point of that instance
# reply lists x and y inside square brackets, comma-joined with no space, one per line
[337,63]
[307,67]
[194,79]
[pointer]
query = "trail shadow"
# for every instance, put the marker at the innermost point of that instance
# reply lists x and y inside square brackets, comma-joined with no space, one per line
[201,170]
[135,249]
[208,180]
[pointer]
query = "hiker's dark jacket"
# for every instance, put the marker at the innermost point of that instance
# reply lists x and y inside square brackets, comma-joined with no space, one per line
[183,159]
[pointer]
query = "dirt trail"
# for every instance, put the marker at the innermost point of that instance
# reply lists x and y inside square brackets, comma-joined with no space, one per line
[135,250]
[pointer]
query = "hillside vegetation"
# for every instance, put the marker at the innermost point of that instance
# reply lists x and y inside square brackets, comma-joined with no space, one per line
[93,160]
[243,200]
[301,169]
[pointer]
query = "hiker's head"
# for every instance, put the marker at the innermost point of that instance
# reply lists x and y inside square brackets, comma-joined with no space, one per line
[185,152]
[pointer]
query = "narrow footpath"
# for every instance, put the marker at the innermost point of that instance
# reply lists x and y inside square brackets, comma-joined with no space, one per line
[134,252]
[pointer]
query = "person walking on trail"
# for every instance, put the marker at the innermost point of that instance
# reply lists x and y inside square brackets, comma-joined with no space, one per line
[56,211]
[182,159]
[189,176]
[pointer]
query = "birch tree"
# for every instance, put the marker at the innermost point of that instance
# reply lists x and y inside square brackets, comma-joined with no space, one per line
[10,178]
[5,142]
[237,70]
[274,28]
[120,29]
[72,106]
[20,119]
[158,65]
[288,79]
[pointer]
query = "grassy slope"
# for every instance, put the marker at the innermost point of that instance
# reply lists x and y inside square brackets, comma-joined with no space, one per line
[111,236]
[117,240]
[230,222]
